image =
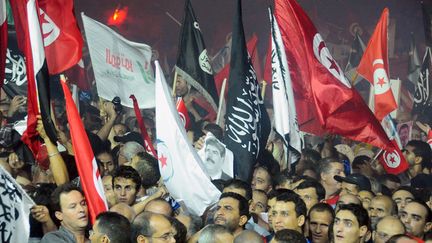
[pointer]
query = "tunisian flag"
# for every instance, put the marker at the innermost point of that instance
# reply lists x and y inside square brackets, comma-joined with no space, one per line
[3,40]
[62,38]
[85,160]
[320,82]
[183,112]
[374,67]
[146,138]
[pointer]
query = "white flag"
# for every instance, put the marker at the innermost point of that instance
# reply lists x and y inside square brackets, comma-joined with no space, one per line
[180,166]
[284,109]
[121,67]
[15,207]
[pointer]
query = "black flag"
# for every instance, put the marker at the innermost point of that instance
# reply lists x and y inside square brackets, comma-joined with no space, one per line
[193,63]
[356,53]
[427,22]
[422,95]
[247,124]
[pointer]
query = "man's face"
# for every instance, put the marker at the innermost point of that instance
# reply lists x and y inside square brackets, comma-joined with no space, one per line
[74,214]
[309,196]
[181,86]
[95,235]
[409,155]
[214,160]
[385,230]
[379,208]
[332,186]
[346,228]
[402,198]
[108,189]
[319,225]
[348,188]
[365,198]
[413,216]
[261,180]
[228,214]
[284,216]
[347,199]
[259,202]
[162,230]
[106,163]
[125,190]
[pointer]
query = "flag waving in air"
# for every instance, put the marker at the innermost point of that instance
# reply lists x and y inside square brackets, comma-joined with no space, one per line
[85,160]
[3,40]
[374,67]
[319,81]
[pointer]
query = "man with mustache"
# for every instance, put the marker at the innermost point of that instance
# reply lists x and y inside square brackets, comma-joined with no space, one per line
[214,159]
[232,211]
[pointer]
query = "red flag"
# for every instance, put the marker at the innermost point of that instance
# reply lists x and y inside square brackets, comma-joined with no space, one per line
[224,73]
[62,37]
[147,141]
[3,40]
[77,75]
[393,160]
[319,81]
[85,160]
[183,113]
[374,67]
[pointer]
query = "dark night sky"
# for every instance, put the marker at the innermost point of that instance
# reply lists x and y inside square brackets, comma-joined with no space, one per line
[148,22]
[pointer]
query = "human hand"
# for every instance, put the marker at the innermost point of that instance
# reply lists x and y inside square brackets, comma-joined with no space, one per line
[40,128]
[110,110]
[15,104]
[199,144]
[40,213]
[423,126]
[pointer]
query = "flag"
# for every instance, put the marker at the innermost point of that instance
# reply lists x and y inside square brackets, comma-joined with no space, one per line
[413,64]
[85,160]
[427,22]
[357,50]
[225,72]
[374,68]
[15,81]
[423,91]
[15,207]
[193,63]
[121,67]
[38,96]
[183,113]
[284,110]
[247,124]
[319,83]
[77,75]
[179,163]
[147,141]
[62,38]
[3,40]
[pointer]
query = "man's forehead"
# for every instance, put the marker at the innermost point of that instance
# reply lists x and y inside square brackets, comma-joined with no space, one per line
[415,208]
[123,181]
[71,197]
[282,205]
[228,201]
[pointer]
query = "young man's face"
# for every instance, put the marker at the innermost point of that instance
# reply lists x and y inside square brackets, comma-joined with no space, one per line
[413,216]
[284,216]
[319,225]
[261,180]
[309,196]
[346,228]
[74,214]
[125,190]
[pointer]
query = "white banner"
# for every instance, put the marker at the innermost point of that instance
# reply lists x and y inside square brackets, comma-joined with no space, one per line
[15,207]
[121,67]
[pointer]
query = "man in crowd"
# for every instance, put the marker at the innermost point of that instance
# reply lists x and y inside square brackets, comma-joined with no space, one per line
[70,208]
[159,206]
[110,227]
[419,155]
[416,216]
[126,184]
[289,212]
[214,233]
[311,192]
[402,196]
[106,163]
[232,211]
[320,218]
[380,207]
[353,184]
[151,227]
[328,168]
[387,227]
[351,224]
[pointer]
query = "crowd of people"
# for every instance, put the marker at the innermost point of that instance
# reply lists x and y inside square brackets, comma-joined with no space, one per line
[336,192]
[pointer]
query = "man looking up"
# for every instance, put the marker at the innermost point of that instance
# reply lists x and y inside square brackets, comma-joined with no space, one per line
[126,184]
[351,224]
[232,211]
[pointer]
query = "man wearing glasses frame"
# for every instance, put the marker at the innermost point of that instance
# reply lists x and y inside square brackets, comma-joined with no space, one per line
[151,227]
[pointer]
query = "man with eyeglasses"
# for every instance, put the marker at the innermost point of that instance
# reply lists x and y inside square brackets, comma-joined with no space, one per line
[151,227]
[110,227]
[387,227]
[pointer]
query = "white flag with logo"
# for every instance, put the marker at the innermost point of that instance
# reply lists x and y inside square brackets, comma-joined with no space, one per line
[284,109]
[180,166]
[15,207]
[121,67]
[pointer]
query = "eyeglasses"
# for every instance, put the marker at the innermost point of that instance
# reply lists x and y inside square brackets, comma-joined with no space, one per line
[164,237]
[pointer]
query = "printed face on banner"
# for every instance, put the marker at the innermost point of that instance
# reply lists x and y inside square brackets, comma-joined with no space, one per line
[405,132]
[218,161]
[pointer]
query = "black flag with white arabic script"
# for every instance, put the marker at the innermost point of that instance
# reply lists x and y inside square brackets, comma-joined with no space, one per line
[422,95]
[247,124]
[193,63]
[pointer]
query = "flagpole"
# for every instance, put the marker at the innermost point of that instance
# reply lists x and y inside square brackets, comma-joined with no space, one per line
[174,84]
[264,85]
[221,100]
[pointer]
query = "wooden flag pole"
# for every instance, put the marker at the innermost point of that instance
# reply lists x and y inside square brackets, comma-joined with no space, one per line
[264,85]
[174,84]
[221,100]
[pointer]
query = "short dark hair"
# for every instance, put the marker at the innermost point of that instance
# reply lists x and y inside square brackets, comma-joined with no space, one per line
[360,160]
[243,203]
[311,154]
[148,169]
[322,207]
[428,217]
[127,172]
[320,191]
[141,225]
[423,150]
[359,212]
[299,205]
[55,196]
[180,228]
[117,227]
[324,165]
[215,129]
[239,184]
[281,178]
[276,192]
[289,236]
[106,151]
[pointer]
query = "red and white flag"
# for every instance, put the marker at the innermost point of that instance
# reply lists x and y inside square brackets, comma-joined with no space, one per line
[62,38]
[85,160]
[374,67]
[319,81]
[3,40]
[77,75]
[146,138]
[183,113]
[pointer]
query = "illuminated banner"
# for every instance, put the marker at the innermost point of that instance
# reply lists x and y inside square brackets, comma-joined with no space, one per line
[121,67]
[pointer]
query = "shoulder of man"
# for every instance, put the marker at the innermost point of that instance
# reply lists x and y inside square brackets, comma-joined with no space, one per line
[61,235]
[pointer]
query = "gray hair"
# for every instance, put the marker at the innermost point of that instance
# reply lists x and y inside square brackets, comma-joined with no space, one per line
[130,149]
[210,232]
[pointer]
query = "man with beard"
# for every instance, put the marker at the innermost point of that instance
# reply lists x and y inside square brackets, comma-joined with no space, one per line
[70,208]
[320,217]
[232,211]
[214,159]
[380,207]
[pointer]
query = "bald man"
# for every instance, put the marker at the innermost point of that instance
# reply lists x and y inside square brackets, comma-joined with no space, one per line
[249,236]
[380,207]
[387,227]
[125,210]
[159,206]
[347,199]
